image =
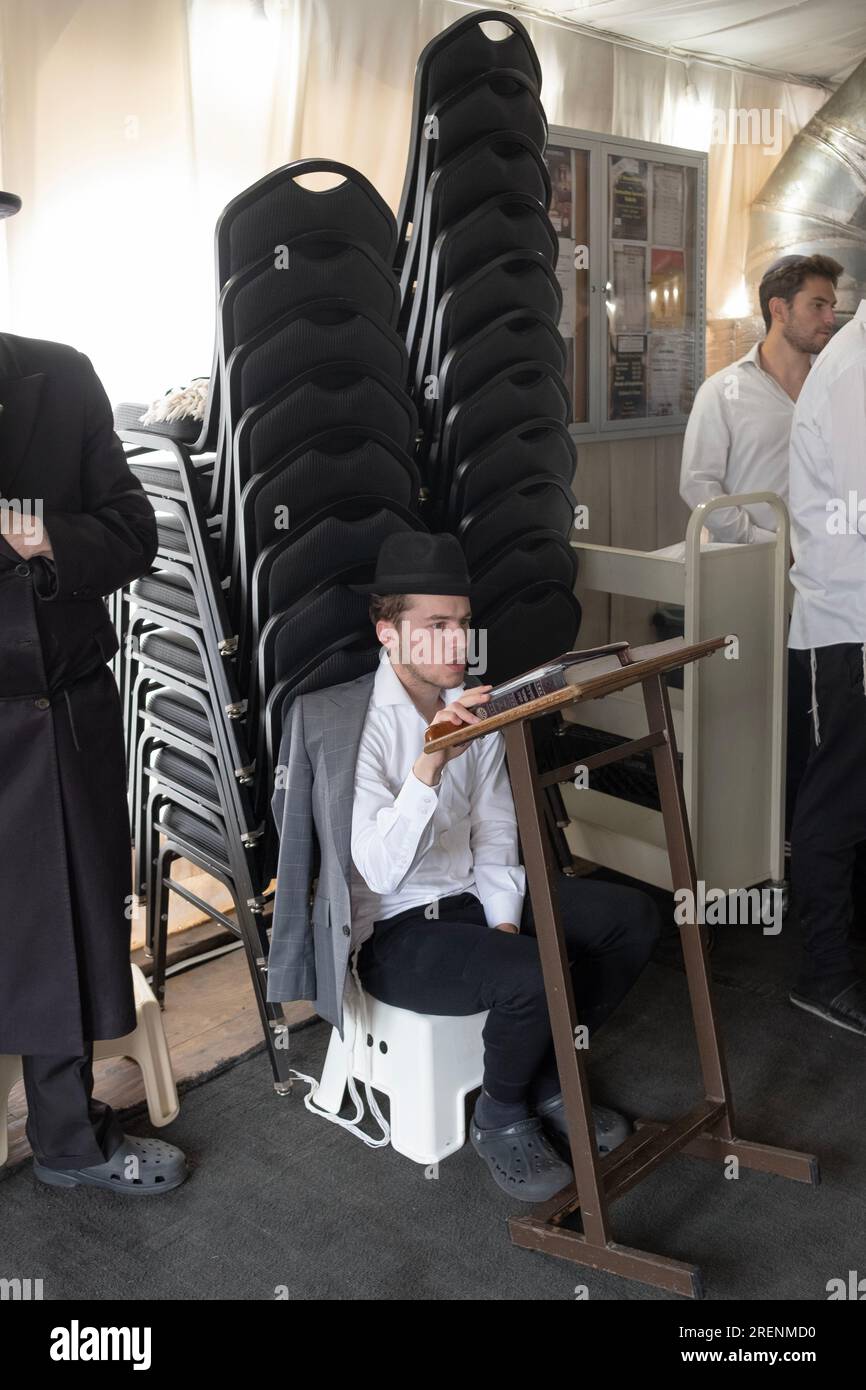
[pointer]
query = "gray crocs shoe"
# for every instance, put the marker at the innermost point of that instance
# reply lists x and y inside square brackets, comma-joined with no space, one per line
[522,1160]
[137,1168]
[611,1128]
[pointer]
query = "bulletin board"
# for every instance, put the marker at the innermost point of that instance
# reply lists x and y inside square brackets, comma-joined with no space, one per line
[631,223]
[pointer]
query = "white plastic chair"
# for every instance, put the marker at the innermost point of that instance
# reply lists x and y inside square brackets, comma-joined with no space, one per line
[145,1045]
[424,1063]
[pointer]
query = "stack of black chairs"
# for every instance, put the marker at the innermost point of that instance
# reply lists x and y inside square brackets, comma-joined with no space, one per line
[369,375]
[480,305]
[266,511]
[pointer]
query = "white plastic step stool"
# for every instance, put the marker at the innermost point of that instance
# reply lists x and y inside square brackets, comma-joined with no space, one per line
[145,1045]
[424,1063]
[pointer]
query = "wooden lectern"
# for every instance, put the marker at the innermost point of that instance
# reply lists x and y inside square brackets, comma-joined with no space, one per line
[707,1130]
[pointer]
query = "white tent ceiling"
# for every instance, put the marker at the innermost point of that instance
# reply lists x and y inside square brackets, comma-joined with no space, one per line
[821,39]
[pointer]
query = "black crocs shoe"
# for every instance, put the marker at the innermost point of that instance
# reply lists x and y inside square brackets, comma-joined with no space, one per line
[522,1160]
[847,1009]
[611,1128]
[137,1168]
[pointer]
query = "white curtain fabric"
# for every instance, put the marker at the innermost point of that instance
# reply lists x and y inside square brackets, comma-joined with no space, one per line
[126,126]
[823,39]
[698,105]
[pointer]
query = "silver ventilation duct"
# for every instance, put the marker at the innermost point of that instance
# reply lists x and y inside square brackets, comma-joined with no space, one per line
[815,199]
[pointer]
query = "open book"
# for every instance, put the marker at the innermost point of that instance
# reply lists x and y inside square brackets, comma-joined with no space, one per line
[567,669]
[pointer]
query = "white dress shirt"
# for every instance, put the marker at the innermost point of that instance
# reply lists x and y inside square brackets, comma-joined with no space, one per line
[413,844]
[828,465]
[736,441]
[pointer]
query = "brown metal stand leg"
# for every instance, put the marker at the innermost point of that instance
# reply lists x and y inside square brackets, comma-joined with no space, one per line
[692,935]
[558,843]
[706,1131]
[719,1141]
[557,980]
[543,1231]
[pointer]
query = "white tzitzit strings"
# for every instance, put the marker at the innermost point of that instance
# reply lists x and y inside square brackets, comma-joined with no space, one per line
[354,1016]
[813,662]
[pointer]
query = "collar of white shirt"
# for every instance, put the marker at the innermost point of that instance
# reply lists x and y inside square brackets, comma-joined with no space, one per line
[388,689]
[752,356]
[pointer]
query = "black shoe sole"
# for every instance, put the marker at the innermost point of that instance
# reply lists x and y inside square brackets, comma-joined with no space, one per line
[65,1177]
[483,1149]
[811,1006]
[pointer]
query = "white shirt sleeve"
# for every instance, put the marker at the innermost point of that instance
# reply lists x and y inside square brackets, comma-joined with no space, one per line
[500,878]
[704,467]
[388,831]
[759,533]
[843,422]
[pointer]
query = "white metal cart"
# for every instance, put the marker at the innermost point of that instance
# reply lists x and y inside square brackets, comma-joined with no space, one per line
[729,718]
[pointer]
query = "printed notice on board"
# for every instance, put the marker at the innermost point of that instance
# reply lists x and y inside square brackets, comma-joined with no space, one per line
[629,199]
[627,390]
[568,284]
[559,166]
[671,357]
[668,205]
[627,295]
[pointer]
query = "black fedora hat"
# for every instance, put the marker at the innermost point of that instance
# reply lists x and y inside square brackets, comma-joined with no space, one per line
[10,203]
[414,562]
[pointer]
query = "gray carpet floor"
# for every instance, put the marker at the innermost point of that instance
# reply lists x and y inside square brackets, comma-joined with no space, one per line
[279,1199]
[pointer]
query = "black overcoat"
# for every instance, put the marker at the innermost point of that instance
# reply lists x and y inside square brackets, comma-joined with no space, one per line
[65,879]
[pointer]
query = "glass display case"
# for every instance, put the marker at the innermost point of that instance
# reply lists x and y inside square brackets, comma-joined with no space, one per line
[631,222]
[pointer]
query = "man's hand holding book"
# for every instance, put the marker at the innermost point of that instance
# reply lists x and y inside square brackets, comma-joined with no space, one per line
[428,766]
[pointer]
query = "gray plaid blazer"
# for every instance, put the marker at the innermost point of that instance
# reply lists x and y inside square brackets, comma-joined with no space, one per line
[315,785]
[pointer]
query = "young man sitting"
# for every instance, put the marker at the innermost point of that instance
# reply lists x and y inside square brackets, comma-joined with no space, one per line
[438,902]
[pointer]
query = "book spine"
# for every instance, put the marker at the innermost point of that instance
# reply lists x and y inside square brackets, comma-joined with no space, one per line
[531,691]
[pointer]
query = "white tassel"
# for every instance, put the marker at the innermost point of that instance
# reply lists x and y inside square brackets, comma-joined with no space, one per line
[813,662]
[354,1018]
[180,403]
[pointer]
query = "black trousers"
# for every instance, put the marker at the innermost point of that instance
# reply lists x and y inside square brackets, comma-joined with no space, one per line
[453,963]
[799,732]
[830,816]
[66,1127]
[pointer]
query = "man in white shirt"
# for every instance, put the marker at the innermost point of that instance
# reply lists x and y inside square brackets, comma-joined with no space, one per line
[828,636]
[738,433]
[438,892]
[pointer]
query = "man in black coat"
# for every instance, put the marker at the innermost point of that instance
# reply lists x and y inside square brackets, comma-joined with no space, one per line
[75,525]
